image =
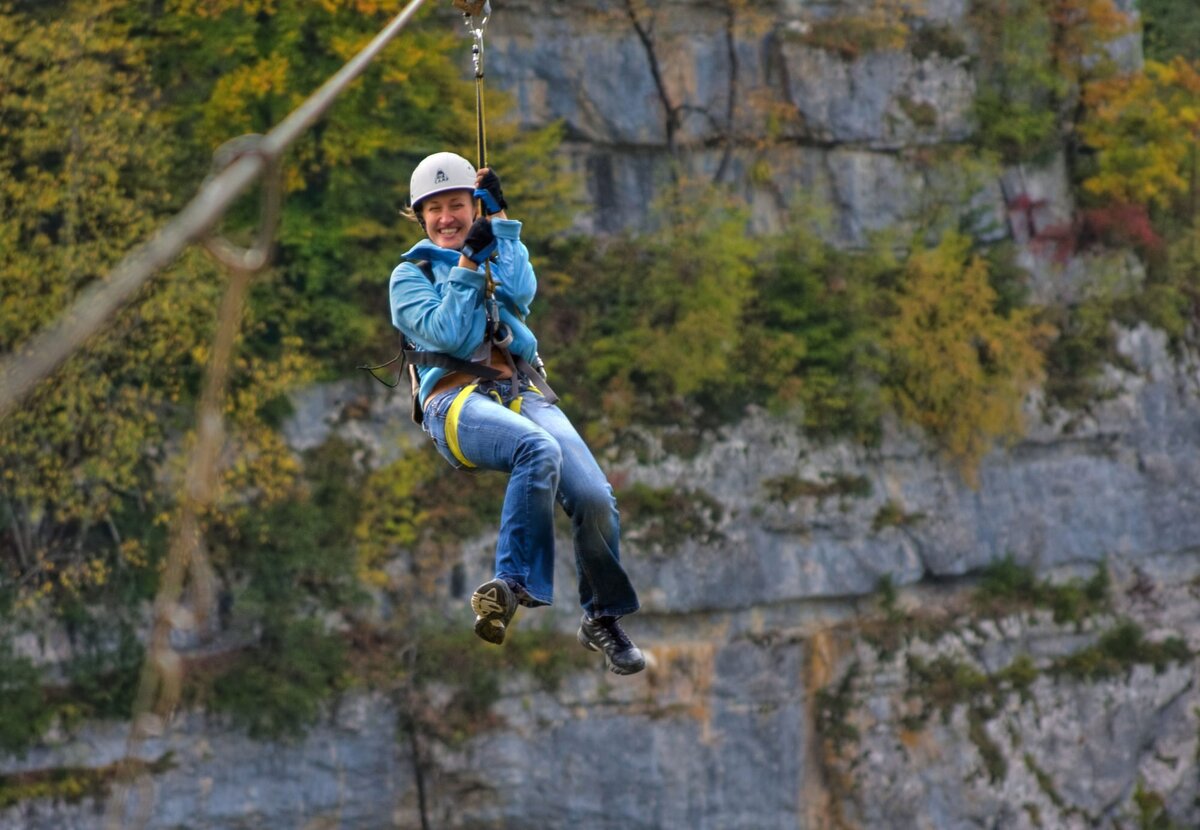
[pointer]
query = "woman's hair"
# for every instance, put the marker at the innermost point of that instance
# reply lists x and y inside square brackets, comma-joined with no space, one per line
[412,215]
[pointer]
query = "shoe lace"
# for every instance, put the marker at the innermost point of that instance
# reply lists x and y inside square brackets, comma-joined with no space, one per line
[618,635]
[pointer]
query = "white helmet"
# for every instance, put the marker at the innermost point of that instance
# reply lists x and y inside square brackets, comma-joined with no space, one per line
[439,173]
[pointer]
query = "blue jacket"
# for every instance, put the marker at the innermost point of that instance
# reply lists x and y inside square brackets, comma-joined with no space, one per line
[448,315]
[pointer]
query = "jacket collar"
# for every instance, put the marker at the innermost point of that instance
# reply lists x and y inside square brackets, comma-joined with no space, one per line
[425,249]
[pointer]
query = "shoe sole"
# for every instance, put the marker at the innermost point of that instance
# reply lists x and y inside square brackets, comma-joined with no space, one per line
[615,669]
[491,603]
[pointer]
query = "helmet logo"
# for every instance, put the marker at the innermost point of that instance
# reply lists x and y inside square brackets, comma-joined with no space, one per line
[440,177]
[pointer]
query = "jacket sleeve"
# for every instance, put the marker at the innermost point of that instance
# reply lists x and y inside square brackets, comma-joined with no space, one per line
[448,317]
[515,280]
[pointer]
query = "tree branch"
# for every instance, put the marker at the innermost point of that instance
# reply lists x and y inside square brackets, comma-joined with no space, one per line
[645,35]
[19,536]
[731,99]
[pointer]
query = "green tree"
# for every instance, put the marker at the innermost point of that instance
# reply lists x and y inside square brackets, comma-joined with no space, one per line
[813,329]
[1034,55]
[678,330]
[1170,28]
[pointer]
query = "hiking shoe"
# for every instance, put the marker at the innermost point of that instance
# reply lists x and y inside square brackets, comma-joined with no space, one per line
[494,605]
[605,634]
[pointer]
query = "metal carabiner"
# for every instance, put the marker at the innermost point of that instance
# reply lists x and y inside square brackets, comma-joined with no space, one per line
[483,11]
[502,337]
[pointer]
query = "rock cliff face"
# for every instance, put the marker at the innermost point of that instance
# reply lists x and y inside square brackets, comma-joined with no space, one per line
[735,93]
[787,689]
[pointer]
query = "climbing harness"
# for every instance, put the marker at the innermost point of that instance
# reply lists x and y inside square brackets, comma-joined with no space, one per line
[497,336]
[409,358]
[460,400]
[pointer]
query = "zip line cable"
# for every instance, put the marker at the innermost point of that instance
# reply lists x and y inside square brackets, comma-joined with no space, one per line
[34,360]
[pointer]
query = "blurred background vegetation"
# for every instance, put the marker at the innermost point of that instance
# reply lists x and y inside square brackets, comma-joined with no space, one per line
[109,112]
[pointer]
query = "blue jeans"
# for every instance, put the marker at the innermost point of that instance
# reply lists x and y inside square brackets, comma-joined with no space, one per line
[546,461]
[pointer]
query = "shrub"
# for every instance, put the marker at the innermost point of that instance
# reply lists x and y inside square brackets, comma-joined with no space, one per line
[23,713]
[1020,90]
[788,488]
[669,516]
[277,689]
[1120,648]
[1033,57]
[1005,586]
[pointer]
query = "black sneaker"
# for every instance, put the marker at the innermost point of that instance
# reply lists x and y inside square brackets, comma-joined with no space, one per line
[494,605]
[605,634]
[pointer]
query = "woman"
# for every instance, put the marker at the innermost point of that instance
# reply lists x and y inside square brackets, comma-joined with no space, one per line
[482,405]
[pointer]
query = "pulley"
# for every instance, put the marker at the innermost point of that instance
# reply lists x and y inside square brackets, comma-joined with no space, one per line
[471,8]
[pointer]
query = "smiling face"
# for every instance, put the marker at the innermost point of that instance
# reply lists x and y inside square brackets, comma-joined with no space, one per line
[448,217]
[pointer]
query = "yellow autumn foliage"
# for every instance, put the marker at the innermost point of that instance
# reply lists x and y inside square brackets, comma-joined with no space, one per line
[1083,30]
[1145,128]
[84,161]
[958,368]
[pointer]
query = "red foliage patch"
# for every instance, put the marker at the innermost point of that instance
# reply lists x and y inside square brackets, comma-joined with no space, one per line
[1122,224]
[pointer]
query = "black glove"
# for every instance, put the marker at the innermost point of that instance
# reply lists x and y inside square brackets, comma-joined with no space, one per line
[481,241]
[491,194]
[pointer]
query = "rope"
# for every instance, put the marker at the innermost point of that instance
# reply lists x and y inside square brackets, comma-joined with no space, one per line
[483,11]
[160,684]
[33,361]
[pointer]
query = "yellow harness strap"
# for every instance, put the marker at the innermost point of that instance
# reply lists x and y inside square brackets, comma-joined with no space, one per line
[452,423]
[452,417]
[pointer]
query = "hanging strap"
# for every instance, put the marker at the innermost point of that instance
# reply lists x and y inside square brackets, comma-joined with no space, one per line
[537,379]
